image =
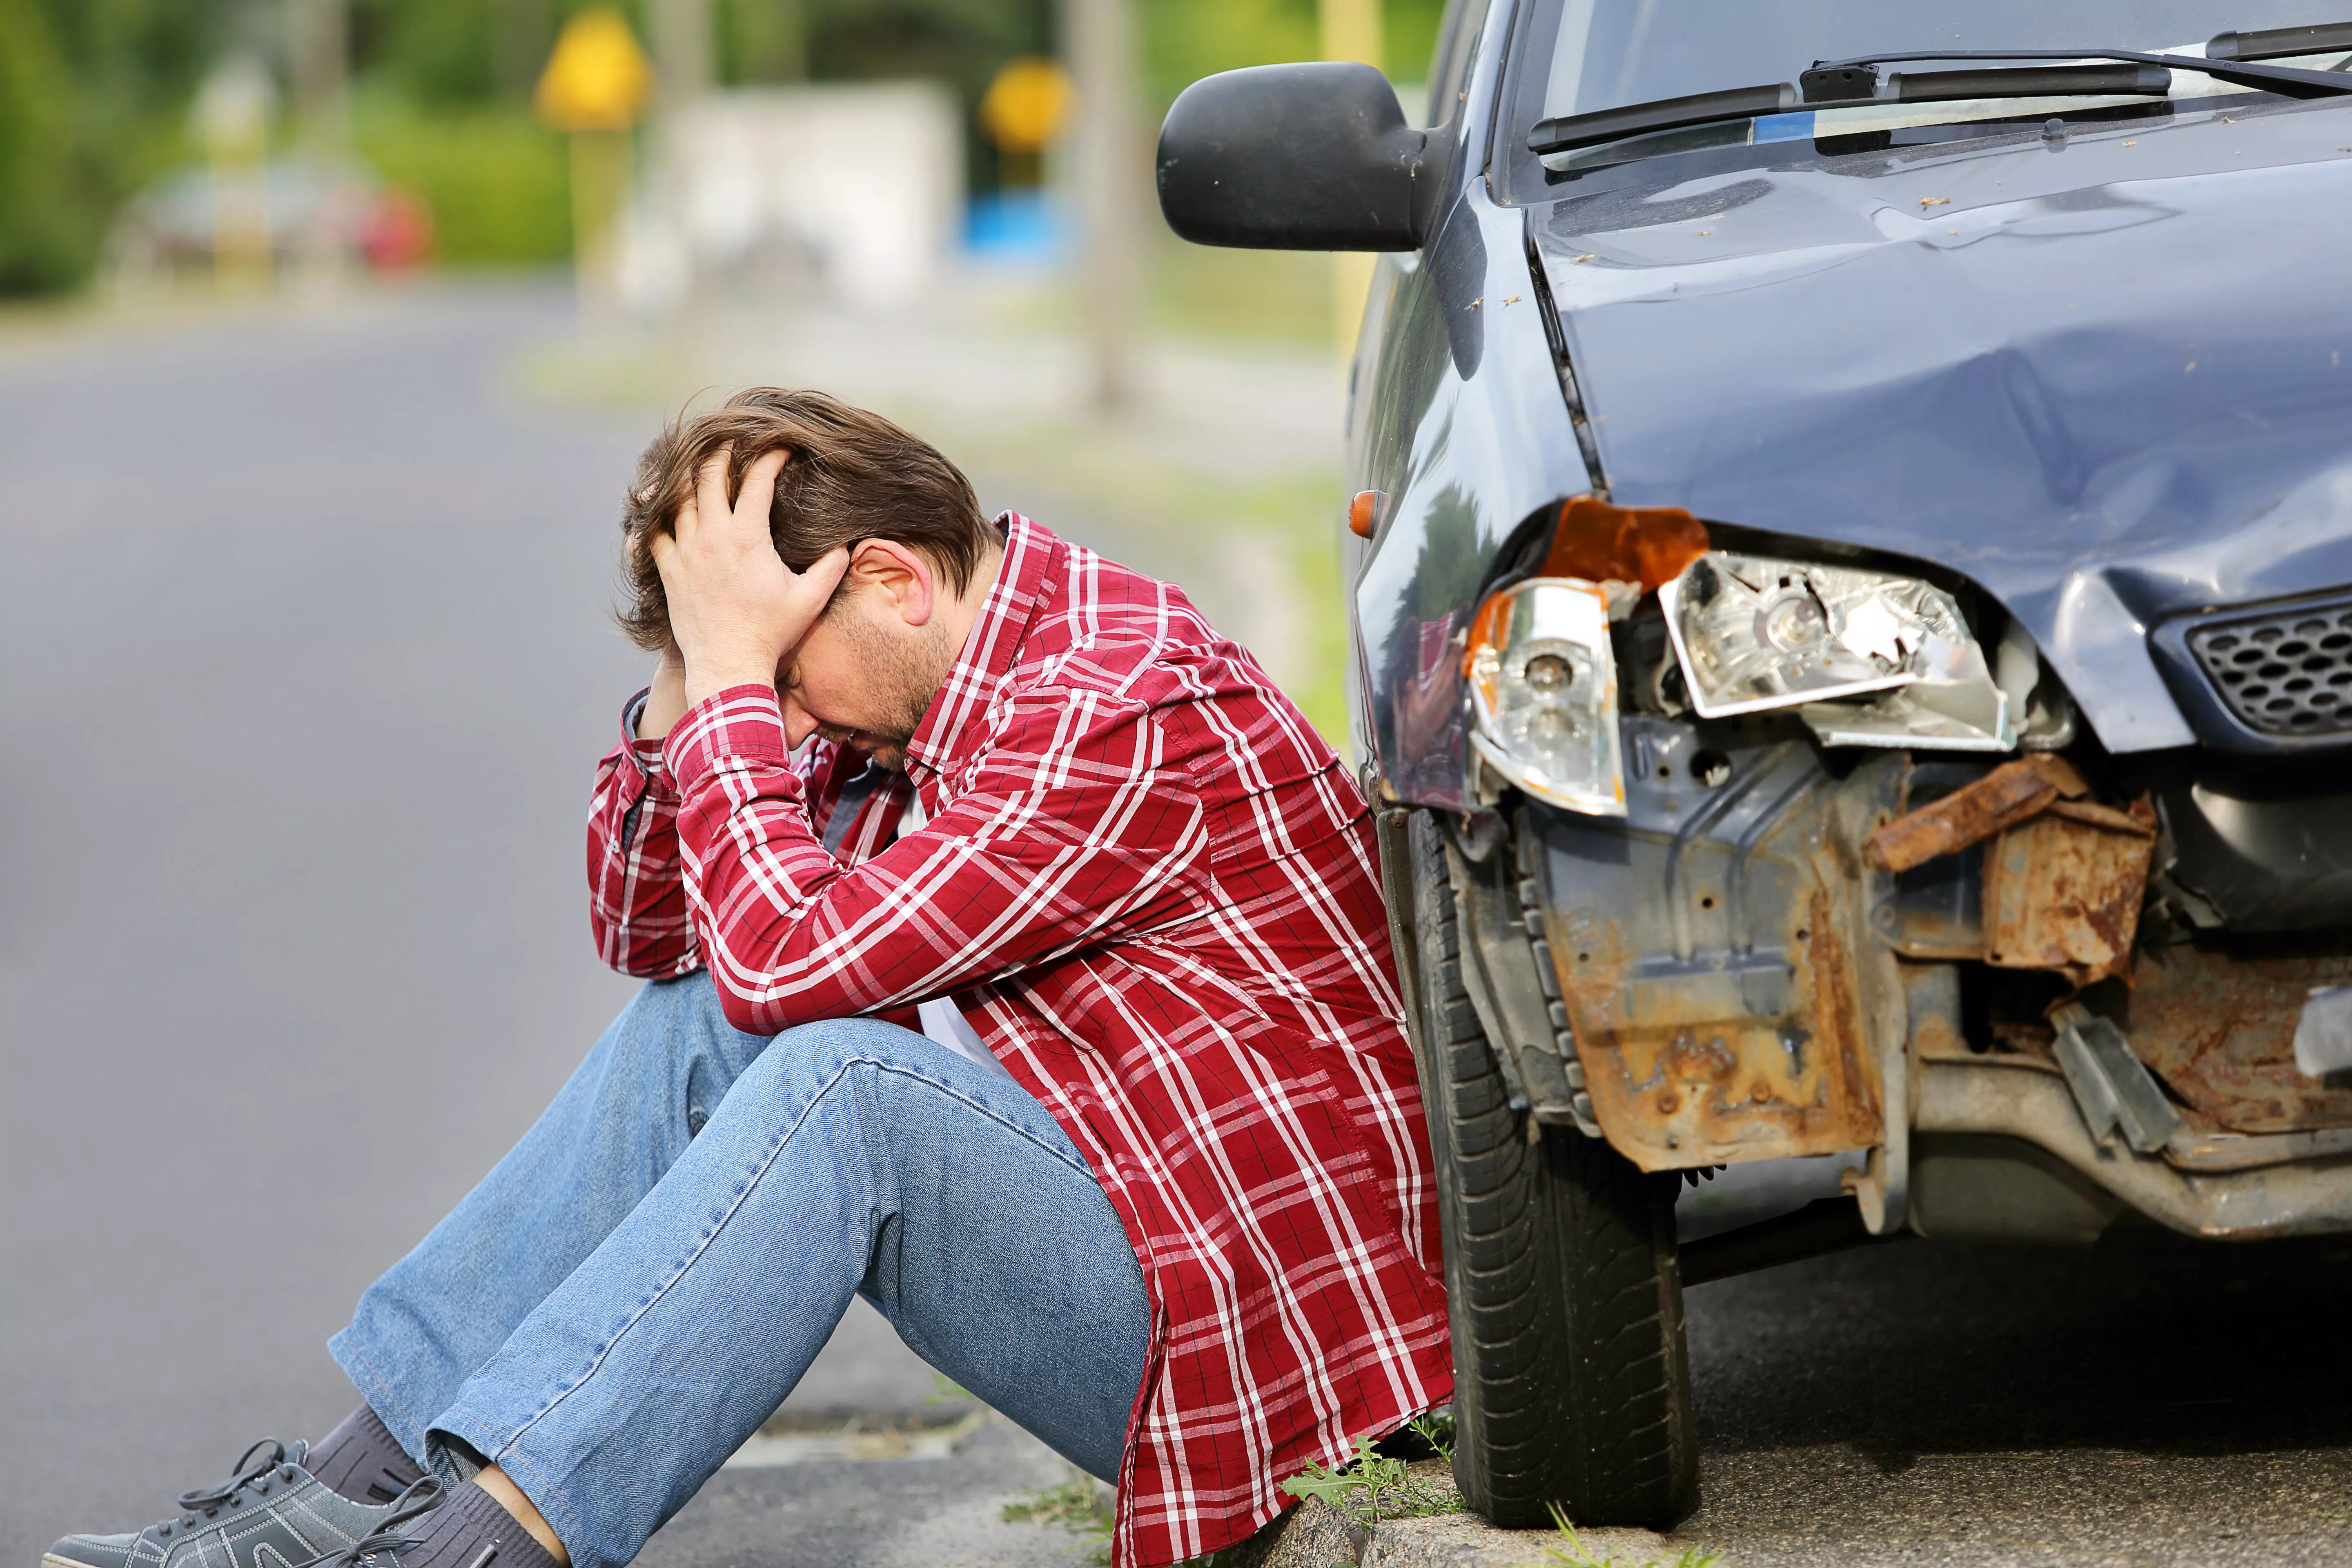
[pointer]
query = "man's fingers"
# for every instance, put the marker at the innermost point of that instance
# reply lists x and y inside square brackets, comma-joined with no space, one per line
[710,490]
[665,550]
[759,492]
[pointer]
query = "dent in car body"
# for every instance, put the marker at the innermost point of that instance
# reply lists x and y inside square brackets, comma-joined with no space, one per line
[2108,385]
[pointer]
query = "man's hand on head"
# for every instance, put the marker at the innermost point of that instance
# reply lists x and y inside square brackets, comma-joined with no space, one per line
[736,610]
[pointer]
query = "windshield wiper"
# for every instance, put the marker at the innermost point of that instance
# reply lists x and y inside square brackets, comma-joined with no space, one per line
[1844,83]
[2279,43]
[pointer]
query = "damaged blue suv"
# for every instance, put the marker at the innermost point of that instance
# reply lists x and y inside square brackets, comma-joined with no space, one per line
[1850,571]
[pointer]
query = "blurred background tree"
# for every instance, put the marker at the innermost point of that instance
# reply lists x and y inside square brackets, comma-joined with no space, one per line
[93,103]
[94,95]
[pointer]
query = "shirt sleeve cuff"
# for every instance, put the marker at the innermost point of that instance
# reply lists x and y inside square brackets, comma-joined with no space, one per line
[646,754]
[742,724]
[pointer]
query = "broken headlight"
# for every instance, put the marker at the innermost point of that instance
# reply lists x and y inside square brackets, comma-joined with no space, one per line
[1543,688]
[1869,659]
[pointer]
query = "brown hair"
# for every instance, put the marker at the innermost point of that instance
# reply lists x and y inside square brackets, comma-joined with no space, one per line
[852,475]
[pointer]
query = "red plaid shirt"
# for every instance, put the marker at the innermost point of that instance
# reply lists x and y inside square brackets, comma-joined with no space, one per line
[1150,885]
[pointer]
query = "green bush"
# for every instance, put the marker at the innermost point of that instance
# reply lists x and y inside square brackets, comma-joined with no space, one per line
[1185,40]
[497,184]
[44,238]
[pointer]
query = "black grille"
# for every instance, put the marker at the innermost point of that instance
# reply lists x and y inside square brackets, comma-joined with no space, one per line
[2288,672]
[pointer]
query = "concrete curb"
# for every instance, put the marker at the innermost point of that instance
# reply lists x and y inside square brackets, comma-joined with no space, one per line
[1316,1535]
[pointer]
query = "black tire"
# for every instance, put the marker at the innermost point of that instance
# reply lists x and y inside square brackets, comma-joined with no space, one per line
[1571,1384]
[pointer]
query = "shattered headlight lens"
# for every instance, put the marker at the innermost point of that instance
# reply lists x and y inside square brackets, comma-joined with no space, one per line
[1753,633]
[1543,686]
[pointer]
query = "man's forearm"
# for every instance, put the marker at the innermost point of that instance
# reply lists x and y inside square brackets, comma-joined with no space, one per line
[636,905]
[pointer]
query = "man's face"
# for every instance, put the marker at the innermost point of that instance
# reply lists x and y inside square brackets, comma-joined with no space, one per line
[865,674]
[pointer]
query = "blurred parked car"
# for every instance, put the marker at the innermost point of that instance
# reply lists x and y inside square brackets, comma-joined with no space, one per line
[173,227]
[1851,576]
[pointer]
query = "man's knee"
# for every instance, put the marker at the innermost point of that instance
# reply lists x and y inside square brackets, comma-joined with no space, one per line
[824,1048]
[811,1060]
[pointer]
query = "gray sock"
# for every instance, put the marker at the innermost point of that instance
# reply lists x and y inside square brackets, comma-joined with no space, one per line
[471,1528]
[361,1459]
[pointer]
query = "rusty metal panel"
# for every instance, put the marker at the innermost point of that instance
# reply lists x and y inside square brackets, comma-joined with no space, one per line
[1713,964]
[1681,1073]
[2009,795]
[2063,891]
[2219,1030]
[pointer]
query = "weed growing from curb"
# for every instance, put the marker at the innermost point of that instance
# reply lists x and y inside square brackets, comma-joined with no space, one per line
[1577,1555]
[1368,1489]
[1075,1505]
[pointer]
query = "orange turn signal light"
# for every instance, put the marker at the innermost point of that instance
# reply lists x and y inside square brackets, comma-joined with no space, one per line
[1646,544]
[1364,513]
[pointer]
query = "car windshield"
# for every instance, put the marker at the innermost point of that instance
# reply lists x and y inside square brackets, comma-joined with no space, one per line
[1609,53]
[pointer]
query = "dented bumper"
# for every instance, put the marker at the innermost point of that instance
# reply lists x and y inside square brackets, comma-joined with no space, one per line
[1780,951]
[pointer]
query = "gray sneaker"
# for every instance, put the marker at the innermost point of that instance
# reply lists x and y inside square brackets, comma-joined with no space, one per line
[272,1513]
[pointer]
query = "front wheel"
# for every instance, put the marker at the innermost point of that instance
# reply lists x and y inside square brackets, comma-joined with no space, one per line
[1571,1384]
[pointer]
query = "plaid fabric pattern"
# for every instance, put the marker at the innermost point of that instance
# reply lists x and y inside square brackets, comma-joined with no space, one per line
[1150,887]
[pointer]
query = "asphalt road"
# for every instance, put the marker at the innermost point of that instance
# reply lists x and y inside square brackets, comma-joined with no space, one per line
[303,666]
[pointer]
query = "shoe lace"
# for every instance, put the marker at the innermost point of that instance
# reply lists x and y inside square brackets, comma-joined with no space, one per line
[423,1496]
[277,1465]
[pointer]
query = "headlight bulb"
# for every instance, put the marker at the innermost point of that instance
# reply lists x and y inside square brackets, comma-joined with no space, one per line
[1793,622]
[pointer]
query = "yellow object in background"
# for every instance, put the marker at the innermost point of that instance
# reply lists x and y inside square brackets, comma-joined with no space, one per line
[1027,104]
[596,85]
[598,78]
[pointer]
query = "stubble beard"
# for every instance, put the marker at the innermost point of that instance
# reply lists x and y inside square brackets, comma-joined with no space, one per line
[912,678]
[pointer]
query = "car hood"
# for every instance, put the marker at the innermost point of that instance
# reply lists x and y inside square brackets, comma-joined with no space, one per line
[2109,381]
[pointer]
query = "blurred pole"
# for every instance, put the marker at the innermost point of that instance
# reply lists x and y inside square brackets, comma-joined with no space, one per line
[681,38]
[1113,176]
[518,34]
[600,197]
[682,62]
[1350,31]
[318,49]
[233,116]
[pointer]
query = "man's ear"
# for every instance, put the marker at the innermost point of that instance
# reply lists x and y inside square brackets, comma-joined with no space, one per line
[902,577]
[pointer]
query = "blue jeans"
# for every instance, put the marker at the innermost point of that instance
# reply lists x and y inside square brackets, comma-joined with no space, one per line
[649,1271]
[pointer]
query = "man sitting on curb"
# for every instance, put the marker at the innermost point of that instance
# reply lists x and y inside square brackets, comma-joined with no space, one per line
[1152,1179]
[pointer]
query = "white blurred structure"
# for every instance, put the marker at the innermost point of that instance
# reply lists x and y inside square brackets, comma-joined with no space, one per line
[856,187]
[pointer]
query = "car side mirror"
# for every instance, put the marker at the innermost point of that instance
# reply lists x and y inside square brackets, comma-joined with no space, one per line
[1315,156]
